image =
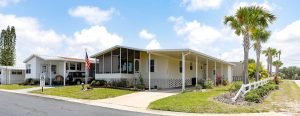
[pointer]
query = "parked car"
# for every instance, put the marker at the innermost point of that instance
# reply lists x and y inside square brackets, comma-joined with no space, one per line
[77,78]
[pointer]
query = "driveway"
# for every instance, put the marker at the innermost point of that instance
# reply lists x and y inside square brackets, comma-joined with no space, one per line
[297,82]
[139,99]
[13,104]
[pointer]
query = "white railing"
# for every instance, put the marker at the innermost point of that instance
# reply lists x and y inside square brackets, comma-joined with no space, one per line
[248,87]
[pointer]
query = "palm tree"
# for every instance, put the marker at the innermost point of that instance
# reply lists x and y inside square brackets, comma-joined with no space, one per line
[278,54]
[277,64]
[259,36]
[270,53]
[244,22]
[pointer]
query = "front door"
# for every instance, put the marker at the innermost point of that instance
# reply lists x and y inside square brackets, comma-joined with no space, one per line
[136,68]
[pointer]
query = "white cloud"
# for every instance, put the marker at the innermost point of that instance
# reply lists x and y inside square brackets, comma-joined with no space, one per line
[198,36]
[154,44]
[4,3]
[196,5]
[94,39]
[234,55]
[92,15]
[144,34]
[33,39]
[265,4]
[288,41]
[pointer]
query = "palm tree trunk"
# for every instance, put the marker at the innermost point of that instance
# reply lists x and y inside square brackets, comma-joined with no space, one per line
[246,54]
[258,50]
[268,65]
[271,61]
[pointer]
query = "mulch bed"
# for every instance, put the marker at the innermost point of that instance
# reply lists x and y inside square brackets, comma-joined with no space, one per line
[226,98]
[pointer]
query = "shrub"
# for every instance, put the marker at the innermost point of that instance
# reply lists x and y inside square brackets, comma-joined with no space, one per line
[140,86]
[208,85]
[225,82]
[97,83]
[252,97]
[235,86]
[201,82]
[276,80]
[30,81]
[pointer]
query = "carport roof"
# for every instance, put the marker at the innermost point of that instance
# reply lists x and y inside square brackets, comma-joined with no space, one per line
[56,58]
[164,51]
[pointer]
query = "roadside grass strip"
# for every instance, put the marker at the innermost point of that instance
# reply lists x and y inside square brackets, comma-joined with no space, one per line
[15,87]
[76,92]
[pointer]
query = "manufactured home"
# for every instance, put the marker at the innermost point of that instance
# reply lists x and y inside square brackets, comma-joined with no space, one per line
[160,68]
[54,66]
[12,74]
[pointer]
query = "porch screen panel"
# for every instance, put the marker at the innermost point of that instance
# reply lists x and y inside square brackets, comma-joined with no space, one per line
[116,61]
[107,62]
[124,60]
[99,67]
[137,54]
[130,61]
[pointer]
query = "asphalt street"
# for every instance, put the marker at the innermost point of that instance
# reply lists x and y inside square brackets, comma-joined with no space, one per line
[12,104]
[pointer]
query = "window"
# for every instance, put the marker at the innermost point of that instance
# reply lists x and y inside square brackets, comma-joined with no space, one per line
[180,66]
[191,66]
[16,72]
[72,66]
[53,69]
[67,66]
[152,64]
[28,69]
[0,71]
[78,66]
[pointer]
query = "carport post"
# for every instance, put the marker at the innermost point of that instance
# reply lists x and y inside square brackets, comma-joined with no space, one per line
[50,74]
[196,70]
[206,70]
[149,60]
[9,73]
[65,73]
[215,73]
[183,71]
[222,73]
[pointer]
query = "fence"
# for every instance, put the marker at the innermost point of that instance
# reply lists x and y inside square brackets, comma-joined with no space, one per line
[248,87]
[237,78]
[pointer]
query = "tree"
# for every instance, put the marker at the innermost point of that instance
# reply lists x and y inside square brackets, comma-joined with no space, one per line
[277,64]
[270,53]
[7,46]
[252,71]
[244,22]
[259,36]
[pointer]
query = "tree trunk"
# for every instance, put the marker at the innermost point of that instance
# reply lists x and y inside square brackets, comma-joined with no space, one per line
[246,53]
[258,50]
[271,62]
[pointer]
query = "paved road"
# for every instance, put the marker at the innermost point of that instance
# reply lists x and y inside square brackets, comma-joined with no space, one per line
[12,104]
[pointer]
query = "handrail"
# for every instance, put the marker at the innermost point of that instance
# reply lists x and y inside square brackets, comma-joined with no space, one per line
[245,88]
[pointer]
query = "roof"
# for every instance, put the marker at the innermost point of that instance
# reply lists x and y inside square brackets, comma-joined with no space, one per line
[13,67]
[56,58]
[163,50]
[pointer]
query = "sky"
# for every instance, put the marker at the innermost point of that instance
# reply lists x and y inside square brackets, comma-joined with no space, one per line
[67,27]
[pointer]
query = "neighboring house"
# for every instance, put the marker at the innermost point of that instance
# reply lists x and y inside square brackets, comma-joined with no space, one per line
[52,66]
[169,68]
[237,71]
[12,74]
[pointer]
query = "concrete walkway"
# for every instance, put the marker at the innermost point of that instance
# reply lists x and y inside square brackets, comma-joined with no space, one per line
[297,82]
[138,99]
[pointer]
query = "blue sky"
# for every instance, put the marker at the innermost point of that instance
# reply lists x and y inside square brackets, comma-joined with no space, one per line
[65,27]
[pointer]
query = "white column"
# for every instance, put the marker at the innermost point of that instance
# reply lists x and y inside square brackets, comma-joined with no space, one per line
[111,62]
[222,73]
[215,73]
[127,62]
[196,70]
[149,60]
[206,70]
[9,73]
[50,75]
[65,72]
[120,61]
[183,71]
[103,64]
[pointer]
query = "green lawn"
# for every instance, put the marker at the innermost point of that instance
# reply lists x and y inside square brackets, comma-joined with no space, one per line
[76,92]
[197,102]
[14,86]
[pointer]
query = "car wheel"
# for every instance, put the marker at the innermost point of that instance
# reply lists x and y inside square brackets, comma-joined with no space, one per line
[78,82]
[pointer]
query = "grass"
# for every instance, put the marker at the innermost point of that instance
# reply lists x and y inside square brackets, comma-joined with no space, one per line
[14,87]
[76,92]
[197,102]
